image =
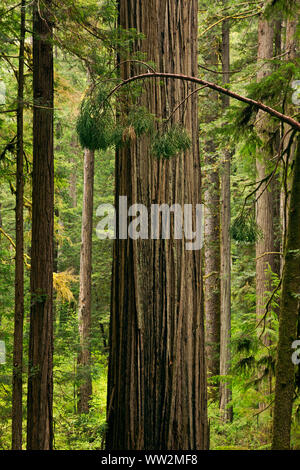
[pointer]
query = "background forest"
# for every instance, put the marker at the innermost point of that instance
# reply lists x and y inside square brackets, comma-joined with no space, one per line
[250,48]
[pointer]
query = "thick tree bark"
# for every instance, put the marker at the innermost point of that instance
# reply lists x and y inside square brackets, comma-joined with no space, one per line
[40,381]
[223,91]
[225,338]
[17,392]
[289,306]
[156,382]
[84,311]
[73,185]
[292,52]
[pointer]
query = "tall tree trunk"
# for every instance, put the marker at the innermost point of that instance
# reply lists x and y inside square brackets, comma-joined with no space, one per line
[289,306]
[40,380]
[212,266]
[156,381]
[17,392]
[84,312]
[212,239]
[265,245]
[225,353]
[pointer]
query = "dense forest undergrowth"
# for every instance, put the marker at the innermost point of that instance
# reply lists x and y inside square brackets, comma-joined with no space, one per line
[154,140]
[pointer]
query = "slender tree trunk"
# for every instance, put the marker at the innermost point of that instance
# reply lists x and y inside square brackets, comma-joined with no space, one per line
[17,392]
[40,380]
[212,239]
[289,307]
[225,353]
[264,206]
[84,312]
[156,382]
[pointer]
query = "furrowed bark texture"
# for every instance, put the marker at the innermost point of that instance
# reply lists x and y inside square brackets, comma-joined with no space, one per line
[17,392]
[40,381]
[265,203]
[225,336]
[84,311]
[156,383]
[289,307]
[292,54]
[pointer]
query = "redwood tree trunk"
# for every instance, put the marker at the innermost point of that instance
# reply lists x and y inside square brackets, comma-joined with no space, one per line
[289,307]
[40,382]
[84,312]
[156,383]
[17,392]
[212,265]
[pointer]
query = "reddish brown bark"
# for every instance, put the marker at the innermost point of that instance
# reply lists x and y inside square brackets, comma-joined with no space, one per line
[211,188]
[264,207]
